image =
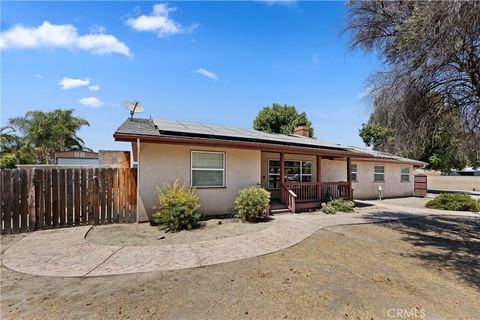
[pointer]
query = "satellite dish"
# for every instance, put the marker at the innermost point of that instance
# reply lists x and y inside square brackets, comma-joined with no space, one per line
[133,107]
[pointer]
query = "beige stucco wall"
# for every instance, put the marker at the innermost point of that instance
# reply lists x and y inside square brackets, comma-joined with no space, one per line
[336,170]
[167,162]
[366,188]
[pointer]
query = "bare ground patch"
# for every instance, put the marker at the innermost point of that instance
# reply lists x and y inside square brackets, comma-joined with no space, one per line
[413,202]
[344,272]
[143,234]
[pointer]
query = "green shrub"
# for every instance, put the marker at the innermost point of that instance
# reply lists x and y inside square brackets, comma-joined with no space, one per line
[328,209]
[8,161]
[332,206]
[454,202]
[177,207]
[252,203]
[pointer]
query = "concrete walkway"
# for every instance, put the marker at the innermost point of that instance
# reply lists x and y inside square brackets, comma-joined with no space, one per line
[66,252]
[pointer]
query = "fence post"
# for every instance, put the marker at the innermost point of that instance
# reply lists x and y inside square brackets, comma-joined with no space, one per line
[32,212]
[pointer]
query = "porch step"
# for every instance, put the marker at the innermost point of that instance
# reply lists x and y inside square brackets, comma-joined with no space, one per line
[279,210]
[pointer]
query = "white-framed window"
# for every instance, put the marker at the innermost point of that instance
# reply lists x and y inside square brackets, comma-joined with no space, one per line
[405,174]
[353,172]
[379,174]
[208,169]
[300,171]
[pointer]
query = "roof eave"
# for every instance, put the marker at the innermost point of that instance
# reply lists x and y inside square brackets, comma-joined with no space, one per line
[238,144]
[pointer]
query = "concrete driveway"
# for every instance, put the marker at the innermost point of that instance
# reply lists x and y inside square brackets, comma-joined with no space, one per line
[66,252]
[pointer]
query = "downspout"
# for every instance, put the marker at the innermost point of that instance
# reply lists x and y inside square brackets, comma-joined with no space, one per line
[138,180]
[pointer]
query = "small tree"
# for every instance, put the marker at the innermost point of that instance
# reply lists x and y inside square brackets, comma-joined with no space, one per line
[280,119]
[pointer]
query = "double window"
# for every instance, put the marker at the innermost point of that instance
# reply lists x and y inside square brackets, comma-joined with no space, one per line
[299,171]
[208,169]
[405,174]
[379,174]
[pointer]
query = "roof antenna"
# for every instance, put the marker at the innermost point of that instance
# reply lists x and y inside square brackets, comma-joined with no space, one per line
[133,106]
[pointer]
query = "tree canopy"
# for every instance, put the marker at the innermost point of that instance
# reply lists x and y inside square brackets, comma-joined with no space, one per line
[281,119]
[426,102]
[37,135]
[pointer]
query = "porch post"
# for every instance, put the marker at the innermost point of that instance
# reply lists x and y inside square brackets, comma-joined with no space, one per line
[282,175]
[349,178]
[319,177]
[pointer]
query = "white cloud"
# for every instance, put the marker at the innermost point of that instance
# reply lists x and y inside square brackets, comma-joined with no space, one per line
[48,35]
[95,87]
[91,102]
[70,83]
[160,22]
[97,28]
[206,73]
[38,76]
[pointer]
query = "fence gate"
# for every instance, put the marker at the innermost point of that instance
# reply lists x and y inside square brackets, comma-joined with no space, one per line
[37,199]
[420,185]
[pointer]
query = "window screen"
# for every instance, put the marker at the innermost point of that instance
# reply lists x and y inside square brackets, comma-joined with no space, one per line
[208,169]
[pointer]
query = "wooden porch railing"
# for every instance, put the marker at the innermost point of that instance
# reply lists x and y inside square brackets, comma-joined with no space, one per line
[305,191]
[288,197]
[335,190]
[299,192]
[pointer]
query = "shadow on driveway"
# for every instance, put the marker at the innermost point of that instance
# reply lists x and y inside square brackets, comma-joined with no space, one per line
[444,242]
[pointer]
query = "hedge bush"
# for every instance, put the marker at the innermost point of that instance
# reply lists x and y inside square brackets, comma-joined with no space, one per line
[177,207]
[252,203]
[332,206]
[454,202]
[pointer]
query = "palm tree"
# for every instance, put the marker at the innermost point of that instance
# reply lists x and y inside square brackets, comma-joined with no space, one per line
[13,144]
[48,132]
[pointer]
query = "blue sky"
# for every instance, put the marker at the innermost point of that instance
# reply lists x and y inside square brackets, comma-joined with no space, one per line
[210,62]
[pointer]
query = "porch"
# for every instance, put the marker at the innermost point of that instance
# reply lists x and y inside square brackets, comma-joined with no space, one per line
[308,179]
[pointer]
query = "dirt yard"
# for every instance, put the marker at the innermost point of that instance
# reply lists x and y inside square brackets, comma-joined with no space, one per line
[413,202]
[144,234]
[428,267]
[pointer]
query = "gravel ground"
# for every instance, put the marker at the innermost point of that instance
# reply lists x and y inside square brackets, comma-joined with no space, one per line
[143,234]
[429,267]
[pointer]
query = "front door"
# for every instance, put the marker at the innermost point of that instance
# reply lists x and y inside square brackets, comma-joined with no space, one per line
[295,171]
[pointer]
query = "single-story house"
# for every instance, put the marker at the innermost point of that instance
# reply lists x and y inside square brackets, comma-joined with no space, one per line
[218,161]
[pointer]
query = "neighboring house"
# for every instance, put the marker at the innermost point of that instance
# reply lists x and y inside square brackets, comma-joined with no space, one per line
[80,158]
[76,157]
[219,161]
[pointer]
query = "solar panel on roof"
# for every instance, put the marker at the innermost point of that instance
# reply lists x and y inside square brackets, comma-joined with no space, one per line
[167,126]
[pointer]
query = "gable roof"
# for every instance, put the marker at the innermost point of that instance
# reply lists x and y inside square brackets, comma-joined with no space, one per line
[158,127]
[155,129]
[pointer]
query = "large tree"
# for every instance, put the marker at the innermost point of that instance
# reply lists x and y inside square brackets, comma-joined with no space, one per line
[428,96]
[281,119]
[42,133]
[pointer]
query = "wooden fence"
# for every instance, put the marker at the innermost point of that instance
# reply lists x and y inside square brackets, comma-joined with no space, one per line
[37,199]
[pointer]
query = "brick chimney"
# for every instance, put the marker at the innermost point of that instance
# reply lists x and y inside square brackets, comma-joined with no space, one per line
[302,130]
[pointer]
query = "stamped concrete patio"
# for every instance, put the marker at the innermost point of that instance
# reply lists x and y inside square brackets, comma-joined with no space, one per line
[66,252]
